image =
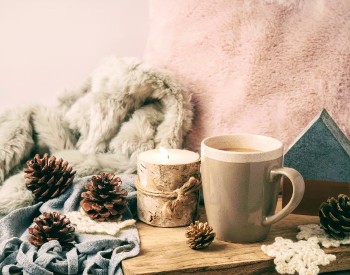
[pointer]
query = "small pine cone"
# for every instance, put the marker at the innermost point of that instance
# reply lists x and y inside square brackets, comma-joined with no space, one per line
[335,216]
[51,226]
[104,199]
[199,235]
[47,177]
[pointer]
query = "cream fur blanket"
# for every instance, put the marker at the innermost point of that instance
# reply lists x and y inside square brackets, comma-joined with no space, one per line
[264,67]
[125,107]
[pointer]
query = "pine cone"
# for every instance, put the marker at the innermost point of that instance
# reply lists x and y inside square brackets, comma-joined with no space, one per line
[335,216]
[104,199]
[51,226]
[47,177]
[199,235]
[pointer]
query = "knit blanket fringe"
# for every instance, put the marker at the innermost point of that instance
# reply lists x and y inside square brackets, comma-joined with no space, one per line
[90,254]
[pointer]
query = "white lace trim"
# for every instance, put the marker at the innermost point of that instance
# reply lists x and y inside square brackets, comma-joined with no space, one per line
[84,224]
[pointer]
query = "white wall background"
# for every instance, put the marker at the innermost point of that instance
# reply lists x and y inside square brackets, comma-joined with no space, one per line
[49,46]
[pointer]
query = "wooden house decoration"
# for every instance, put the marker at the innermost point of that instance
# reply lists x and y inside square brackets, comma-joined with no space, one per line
[321,154]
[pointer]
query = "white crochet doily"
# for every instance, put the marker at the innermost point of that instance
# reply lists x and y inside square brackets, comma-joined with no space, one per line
[314,230]
[305,255]
[84,224]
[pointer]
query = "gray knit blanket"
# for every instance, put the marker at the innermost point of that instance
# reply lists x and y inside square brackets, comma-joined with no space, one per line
[91,253]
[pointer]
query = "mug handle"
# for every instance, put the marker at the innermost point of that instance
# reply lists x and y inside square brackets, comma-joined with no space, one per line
[298,192]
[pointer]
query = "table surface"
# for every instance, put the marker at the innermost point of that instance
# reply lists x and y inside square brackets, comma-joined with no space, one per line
[164,251]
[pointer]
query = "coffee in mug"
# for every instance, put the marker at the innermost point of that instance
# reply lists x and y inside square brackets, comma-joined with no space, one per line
[241,176]
[237,149]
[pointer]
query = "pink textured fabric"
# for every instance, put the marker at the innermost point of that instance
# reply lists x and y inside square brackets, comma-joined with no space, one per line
[264,67]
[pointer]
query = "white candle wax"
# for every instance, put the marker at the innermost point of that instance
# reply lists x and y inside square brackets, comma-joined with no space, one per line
[169,157]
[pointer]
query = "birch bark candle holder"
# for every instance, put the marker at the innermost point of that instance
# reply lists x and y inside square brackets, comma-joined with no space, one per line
[168,186]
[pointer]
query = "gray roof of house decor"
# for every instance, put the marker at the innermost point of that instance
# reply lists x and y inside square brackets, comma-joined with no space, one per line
[321,152]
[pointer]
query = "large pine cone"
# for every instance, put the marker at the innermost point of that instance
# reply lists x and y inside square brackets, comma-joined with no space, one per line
[51,226]
[199,235]
[47,177]
[104,199]
[335,216]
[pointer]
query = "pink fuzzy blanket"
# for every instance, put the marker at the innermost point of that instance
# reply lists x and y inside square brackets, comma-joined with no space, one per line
[265,67]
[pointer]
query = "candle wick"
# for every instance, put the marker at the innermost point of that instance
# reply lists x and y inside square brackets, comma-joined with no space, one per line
[168,156]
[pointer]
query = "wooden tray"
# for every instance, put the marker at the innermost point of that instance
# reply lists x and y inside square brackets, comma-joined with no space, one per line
[164,251]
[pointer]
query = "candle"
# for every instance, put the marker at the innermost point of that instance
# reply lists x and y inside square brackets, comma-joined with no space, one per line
[165,169]
[168,156]
[168,185]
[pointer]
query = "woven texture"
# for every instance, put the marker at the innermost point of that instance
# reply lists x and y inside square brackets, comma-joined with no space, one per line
[84,224]
[90,254]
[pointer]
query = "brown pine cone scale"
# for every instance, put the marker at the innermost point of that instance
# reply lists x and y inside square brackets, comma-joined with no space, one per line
[200,235]
[47,177]
[104,198]
[335,216]
[52,226]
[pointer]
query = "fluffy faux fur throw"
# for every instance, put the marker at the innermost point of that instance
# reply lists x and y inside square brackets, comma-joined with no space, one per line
[265,67]
[125,107]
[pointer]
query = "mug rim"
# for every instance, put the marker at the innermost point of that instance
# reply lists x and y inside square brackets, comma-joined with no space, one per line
[270,148]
